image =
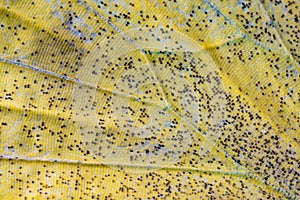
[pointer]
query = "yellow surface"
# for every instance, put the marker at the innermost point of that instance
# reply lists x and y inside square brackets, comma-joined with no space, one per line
[149,100]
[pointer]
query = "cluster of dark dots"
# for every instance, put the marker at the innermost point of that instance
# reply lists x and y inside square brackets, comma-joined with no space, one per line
[287,24]
[274,24]
[89,111]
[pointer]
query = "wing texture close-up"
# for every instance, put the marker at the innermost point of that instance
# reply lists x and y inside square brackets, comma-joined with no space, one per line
[156,99]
